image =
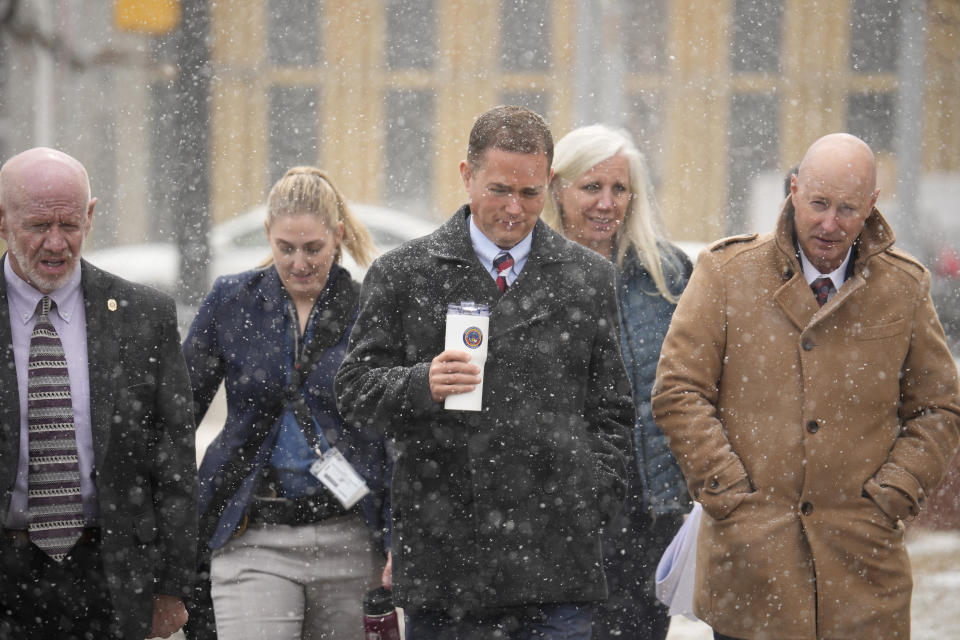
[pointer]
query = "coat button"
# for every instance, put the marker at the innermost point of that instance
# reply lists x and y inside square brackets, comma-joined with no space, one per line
[806,508]
[806,344]
[813,427]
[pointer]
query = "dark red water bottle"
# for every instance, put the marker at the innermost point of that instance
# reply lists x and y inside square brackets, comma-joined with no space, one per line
[380,616]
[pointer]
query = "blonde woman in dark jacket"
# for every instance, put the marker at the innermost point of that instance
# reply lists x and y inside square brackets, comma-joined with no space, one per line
[287,558]
[601,197]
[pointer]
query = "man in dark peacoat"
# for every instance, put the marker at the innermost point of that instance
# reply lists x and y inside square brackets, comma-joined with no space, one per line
[137,558]
[496,513]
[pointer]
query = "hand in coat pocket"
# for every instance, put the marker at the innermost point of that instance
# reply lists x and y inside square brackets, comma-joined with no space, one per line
[895,504]
[720,500]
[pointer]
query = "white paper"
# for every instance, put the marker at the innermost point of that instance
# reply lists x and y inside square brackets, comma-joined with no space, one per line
[678,567]
[340,478]
[468,332]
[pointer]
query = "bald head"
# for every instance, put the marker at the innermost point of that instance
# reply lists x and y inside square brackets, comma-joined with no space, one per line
[843,156]
[39,171]
[45,214]
[833,193]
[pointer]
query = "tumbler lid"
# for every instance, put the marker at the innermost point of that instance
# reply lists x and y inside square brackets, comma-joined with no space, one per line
[377,602]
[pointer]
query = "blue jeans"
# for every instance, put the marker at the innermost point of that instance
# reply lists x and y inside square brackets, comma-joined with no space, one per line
[542,622]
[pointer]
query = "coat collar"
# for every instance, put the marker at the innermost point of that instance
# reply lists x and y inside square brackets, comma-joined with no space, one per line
[340,296]
[876,237]
[452,242]
[270,287]
[795,297]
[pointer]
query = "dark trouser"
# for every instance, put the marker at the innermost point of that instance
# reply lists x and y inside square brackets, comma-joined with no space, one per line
[544,622]
[633,545]
[42,598]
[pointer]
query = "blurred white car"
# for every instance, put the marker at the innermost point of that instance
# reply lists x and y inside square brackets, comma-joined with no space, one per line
[240,244]
[691,248]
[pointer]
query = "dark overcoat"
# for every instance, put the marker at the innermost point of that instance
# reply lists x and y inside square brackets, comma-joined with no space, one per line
[143,441]
[504,506]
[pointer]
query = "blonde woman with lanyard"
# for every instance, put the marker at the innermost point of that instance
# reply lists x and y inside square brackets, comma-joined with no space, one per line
[290,557]
[601,197]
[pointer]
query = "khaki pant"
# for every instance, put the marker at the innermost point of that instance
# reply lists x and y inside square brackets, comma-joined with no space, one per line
[292,582]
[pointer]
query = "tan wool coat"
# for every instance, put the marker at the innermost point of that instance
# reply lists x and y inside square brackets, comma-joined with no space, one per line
[817,410]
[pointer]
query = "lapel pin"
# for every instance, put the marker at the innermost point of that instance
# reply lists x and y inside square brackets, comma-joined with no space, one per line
[112,304]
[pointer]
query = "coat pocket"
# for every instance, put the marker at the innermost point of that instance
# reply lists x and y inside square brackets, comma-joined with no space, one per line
[145,527]
[880,331]
[721,496]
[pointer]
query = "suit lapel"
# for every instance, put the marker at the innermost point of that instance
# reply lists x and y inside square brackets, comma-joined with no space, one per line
[797,301]
[540,271]
[451,246]
[9,391]
[103,354]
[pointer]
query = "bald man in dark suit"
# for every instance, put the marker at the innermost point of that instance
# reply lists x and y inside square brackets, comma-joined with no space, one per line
[97,475]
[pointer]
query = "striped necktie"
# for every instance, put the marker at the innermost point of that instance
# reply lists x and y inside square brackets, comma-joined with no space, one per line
[53,480]
[822,288]
[502,263]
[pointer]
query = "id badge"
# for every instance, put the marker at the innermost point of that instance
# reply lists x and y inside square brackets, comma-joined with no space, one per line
[340,478]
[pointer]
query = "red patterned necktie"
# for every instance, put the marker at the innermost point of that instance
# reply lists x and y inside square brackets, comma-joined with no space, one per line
[53,480]
[822,287]
[502,263]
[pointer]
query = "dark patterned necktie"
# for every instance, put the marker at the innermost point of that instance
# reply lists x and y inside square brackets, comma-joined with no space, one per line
[54,500]
[502,263]
[822,287]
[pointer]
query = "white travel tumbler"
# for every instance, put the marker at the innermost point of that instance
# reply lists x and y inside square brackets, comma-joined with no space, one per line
[467,330]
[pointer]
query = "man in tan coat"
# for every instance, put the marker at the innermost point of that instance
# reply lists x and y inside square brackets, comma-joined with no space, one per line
[808,394]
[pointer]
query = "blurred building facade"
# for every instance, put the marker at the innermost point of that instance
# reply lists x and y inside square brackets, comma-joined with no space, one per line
[382,93]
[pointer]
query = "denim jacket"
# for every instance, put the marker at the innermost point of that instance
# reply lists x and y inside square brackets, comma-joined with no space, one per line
[644,318]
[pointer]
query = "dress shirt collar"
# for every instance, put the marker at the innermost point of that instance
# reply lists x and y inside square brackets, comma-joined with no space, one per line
[838,276]
[487,250]
[23,297]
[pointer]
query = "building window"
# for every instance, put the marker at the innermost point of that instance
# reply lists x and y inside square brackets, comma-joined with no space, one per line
[411,34]
[874,35]
[293,39]
[871,116]
[753,147]
[409,148]
[756,36]
[646,124]
[536,101]
[645,35]
[524,35]
[294,139]
[4,110]
[164,156]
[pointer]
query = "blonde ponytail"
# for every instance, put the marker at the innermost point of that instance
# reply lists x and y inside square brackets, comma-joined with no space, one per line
[308,190]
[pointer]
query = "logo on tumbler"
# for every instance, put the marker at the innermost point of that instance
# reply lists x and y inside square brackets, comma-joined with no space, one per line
[473,337]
